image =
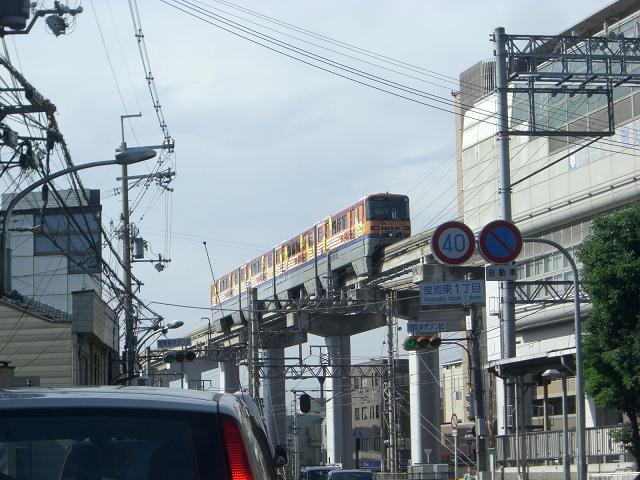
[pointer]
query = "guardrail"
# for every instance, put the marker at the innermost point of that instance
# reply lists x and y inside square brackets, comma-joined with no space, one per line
[542,447]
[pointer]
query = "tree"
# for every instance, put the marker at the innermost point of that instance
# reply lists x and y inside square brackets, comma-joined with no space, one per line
[611,342]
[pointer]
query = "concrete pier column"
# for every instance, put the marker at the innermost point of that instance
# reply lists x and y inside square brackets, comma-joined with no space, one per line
[273,393]
[424,406]
[340,442]
[229,377]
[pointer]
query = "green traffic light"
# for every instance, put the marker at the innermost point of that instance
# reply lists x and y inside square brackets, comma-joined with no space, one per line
[169,358]
[410,343]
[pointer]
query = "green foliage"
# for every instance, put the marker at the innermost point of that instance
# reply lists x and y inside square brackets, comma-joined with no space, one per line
[623,435]
[611,341]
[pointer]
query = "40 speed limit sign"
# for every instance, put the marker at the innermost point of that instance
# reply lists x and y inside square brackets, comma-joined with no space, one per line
[452,243]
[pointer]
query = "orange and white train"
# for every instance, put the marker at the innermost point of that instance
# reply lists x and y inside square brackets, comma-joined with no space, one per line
[344,243]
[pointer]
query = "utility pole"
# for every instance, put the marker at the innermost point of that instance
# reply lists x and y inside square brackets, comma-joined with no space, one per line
[253,367]
[130,338]
[478,394]
[392,424]
[507,297]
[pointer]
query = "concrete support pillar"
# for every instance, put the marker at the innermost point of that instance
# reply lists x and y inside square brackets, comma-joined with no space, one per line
[229,377]
[424,406]
[340,443]
[273,393]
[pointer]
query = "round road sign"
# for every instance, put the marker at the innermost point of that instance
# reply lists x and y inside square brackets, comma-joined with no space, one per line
[500,242]
[452,243]
[454,421]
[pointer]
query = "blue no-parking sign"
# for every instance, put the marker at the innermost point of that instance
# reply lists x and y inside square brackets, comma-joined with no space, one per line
[500,242]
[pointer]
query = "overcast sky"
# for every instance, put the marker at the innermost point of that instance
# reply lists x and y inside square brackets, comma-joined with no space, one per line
[266,145]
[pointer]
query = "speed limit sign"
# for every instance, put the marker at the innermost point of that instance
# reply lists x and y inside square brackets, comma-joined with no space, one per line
[452,243]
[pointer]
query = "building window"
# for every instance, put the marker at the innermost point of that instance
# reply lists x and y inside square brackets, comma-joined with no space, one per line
[364,413]
[377,411]
[357,414]
[77,237]
[371,411]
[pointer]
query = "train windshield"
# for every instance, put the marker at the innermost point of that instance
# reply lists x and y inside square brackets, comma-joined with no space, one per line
[387,208]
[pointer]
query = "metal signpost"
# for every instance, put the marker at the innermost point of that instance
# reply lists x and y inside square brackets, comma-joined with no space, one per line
[454,434]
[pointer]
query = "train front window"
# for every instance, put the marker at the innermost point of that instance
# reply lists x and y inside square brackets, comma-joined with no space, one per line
[385,208]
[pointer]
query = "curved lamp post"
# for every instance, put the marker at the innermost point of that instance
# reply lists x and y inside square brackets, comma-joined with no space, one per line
[126,157]
[157,329]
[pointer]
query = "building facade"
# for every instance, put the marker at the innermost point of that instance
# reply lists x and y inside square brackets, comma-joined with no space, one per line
[368,407]
[56,250]
[48,347]
[558,204]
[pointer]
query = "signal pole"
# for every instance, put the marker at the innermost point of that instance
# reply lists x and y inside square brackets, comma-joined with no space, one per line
[478,397]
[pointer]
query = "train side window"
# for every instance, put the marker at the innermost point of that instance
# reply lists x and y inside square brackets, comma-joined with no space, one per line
[320,234]
[277,256]
[310,240]
[270,260]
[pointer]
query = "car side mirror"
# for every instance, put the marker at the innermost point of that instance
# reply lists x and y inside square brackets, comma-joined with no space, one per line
[280,456]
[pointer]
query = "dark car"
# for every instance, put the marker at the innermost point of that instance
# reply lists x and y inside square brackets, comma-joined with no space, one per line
[351,475]
[317,472]
[132,433]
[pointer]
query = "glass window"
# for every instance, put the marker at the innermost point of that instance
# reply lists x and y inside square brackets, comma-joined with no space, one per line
[111,443]
[357,414]
[79,239]
[387,208]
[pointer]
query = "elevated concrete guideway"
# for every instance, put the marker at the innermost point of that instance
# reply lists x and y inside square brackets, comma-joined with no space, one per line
[356,304]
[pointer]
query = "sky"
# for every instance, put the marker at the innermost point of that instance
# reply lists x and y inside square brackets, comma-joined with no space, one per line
[267,145]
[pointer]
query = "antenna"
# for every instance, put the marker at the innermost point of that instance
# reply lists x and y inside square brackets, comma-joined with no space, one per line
[213,277]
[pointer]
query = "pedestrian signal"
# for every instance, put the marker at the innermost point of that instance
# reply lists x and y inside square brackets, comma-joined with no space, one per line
[470,406]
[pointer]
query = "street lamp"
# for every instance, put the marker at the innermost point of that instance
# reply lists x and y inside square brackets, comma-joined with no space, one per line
[158,329]
[126,157]
[553,374]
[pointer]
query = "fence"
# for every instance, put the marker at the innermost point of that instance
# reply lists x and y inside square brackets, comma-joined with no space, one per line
[613,476]
[542,447]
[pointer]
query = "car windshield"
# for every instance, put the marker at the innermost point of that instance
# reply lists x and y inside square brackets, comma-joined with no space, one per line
[115,444]
[341,475]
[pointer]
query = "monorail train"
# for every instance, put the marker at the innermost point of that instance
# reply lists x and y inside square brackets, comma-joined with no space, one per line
[345,240]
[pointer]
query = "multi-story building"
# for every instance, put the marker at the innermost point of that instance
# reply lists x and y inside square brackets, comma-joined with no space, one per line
[56,329]
[368,407]
[558,203]
[56,250]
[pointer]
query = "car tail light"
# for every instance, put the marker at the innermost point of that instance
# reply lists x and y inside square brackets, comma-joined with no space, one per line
[236,452]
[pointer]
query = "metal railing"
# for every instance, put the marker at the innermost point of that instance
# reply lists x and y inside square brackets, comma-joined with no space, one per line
[547,446]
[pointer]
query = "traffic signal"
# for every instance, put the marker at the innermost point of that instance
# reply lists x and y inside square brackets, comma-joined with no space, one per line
[305,403]
[421,342]
[470,405]
[179,356]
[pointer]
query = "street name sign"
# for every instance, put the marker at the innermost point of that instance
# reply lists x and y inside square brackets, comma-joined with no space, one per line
[499,273]
[500,242]
[417,328]
[174,342]
[452,243]
[452,293]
